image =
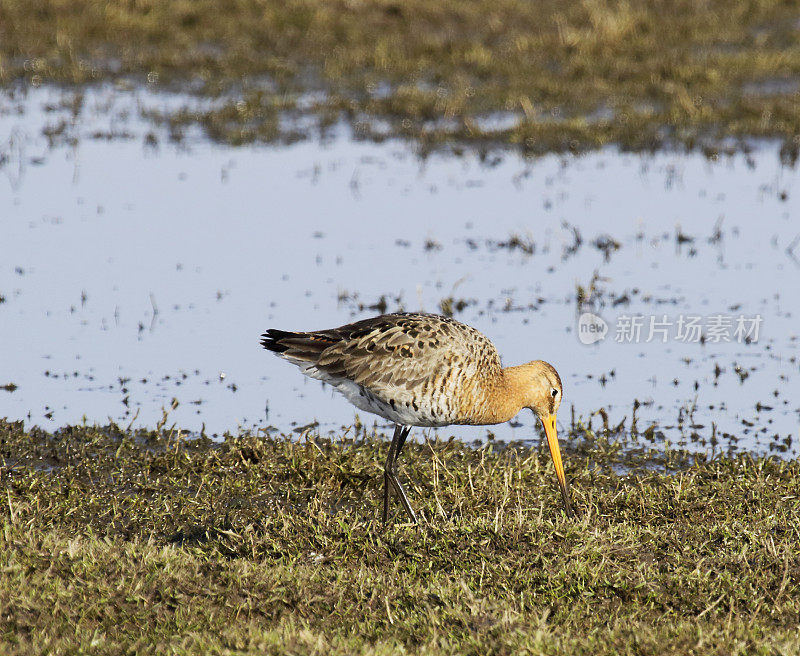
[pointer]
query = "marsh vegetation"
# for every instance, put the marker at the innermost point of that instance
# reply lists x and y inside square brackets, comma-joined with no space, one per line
[116,541]
[539,76]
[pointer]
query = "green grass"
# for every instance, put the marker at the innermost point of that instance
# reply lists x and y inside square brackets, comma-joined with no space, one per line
[563,75]
[117,542]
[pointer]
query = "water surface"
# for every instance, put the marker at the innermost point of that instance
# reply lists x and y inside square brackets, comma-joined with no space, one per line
[138,272]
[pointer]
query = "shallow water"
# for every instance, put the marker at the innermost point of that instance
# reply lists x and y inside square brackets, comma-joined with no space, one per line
[138,270]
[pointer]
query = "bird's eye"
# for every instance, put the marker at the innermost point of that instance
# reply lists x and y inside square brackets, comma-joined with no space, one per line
[554,392]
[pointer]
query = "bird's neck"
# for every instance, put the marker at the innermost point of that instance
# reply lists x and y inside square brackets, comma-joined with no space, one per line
[502,397]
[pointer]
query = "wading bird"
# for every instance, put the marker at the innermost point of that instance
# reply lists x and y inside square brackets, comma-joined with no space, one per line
[424,370]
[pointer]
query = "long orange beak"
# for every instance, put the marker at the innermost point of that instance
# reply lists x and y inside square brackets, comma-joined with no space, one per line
[549,424]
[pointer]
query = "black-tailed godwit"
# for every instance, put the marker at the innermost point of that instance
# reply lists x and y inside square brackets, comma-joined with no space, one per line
[424,370]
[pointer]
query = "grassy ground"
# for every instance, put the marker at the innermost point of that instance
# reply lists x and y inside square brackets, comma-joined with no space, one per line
[547,75]
[115,542]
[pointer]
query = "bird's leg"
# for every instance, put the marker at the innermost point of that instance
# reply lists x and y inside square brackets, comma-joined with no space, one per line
[401,442]
[401,492]
[387,471]
[390,474]
[398,485]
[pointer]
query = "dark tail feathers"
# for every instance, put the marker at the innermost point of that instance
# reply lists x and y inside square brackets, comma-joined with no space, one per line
[271,340]
[298,346]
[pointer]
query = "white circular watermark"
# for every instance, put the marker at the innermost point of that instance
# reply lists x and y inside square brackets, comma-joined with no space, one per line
[591,328]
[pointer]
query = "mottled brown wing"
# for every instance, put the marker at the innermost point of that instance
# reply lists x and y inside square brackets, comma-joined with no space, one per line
[405,351]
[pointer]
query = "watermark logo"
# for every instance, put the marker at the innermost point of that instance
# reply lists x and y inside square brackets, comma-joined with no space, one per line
[591,328]
[687,328]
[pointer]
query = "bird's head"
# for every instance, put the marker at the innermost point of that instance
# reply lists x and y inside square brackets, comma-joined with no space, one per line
[541,392]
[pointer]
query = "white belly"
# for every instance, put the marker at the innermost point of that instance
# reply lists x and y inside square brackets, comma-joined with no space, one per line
[402,411]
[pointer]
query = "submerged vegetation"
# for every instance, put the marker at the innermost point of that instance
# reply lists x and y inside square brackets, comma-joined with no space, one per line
[536,75]
[118,542]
